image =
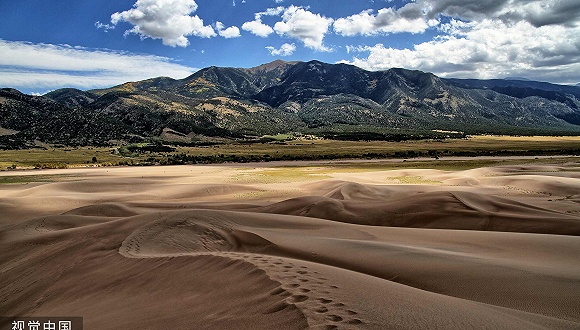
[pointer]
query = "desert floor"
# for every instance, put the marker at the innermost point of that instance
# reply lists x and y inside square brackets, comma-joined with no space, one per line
[294,246]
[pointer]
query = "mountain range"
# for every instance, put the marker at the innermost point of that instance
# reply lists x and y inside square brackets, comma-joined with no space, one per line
[329,100]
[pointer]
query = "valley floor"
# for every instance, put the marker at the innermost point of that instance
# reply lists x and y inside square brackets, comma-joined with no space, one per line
[499,147]
[313,245]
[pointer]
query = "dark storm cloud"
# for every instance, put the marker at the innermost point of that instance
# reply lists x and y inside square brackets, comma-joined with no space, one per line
[563,12]
[412,11]
[466,9]
[536,12]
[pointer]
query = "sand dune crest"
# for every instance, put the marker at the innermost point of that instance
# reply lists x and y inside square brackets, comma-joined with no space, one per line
[185,248]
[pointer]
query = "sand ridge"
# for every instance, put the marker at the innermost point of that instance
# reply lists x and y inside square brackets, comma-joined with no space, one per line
[187,247]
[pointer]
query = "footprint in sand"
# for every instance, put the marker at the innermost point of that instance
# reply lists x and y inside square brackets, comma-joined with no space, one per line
[276,291]
[304,288]
[324,300]
[297,298]
[334,318]
[309,284]
[321,309]
[354,321]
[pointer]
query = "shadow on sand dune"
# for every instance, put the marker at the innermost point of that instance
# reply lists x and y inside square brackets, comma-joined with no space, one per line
[345,255]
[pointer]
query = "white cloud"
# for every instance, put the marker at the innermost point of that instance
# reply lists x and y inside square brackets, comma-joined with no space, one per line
[105,27]
[44,66]
[284,50]
[537,39]
[355,49]
[231,32]
[168,20]
[362,23]
[271,12]
[305,26]
[419,15]
[387,20]
[487,49]
[257,27]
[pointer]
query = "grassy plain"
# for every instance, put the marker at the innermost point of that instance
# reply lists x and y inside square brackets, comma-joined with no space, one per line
[358,148]
[304,149]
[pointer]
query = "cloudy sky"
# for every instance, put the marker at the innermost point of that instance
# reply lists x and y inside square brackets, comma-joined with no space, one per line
[45,45]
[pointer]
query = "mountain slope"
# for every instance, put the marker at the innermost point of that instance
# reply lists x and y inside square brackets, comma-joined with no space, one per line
[423,99]
[282,97]
[72,97]
[42,119]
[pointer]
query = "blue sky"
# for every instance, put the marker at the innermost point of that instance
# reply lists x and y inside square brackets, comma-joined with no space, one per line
[45,45]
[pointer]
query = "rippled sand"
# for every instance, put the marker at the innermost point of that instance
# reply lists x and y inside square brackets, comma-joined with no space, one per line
[237,246]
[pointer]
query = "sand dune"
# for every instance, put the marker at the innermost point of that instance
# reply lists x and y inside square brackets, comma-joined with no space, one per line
[184,247]
[437,209]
